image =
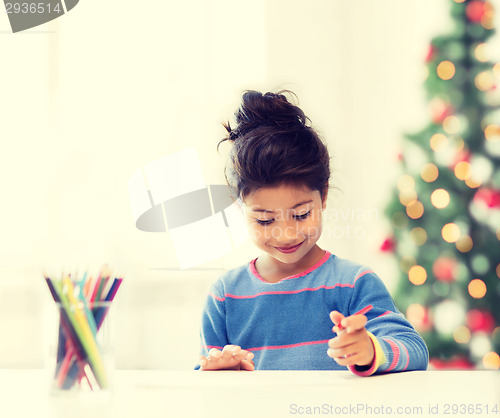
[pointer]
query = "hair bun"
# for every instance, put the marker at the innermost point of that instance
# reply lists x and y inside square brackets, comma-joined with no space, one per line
[269,109]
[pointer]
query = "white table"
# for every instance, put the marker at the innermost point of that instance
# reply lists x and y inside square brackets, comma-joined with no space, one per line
[151,394]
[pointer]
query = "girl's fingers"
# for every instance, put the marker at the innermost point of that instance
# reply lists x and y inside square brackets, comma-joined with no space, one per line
[246,355]
[247,365]
[230,357]
[203,361]
[349,360]
[336,317]
[214,353]
[354,323]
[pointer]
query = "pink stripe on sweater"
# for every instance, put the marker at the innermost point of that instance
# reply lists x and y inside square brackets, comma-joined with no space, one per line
[407,357]
[217,298]
[321,261]
[395,351]
[362,274]
[289,292]
[208,347]
[280,347]
[283,292]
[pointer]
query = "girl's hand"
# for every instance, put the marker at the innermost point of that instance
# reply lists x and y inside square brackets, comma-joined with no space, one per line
[232,357]
[352,345]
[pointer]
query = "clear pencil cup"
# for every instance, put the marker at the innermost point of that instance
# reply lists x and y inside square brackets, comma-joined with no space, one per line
[82,353]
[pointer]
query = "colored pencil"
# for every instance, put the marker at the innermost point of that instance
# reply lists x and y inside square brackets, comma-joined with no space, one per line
[81,317]
[360,312]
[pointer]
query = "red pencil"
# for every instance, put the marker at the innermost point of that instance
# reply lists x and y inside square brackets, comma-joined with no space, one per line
[360,312]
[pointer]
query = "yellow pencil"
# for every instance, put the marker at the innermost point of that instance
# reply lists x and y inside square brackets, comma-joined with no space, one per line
[82,327]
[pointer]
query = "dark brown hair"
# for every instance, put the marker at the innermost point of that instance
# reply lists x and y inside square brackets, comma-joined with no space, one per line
[273,143]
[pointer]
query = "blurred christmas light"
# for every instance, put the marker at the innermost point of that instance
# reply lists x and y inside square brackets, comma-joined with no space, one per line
[446,70]
[481,52]
[440,109]
[464,244]
[487,21]
[406,182]
[415,210]
[418,316]
[448,316]
[488,197]
[477,288]
[459,1]
[408,197]
[479,345]
[462,335]
[417,275]
[493,148]
[462,170]
[484,80]
[451,124]
[473,184]
[418,235]
[429,173]
[481,168]
[491,360]
[459,144]
[438,142]
[492,132]
[440,198]
[475,10]
[480,321]
[498,270]
[450,232]
[445,269]
[496,70]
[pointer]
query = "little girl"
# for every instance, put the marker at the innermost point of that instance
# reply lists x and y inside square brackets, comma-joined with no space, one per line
[292,307]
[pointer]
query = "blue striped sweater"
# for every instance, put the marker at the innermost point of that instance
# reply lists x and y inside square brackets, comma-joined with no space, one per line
[287,324]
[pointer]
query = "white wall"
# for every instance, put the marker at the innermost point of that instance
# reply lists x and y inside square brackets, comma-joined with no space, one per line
[92,97]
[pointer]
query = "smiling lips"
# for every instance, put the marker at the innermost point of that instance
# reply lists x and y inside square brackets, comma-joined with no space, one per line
[289,250]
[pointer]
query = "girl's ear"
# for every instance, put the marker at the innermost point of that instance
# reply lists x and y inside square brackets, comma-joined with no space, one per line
[324,196]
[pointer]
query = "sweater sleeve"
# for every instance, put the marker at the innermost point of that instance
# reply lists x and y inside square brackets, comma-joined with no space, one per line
[213,322]
[398,346]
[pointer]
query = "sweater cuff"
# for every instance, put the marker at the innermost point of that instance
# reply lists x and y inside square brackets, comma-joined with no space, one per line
[378,359]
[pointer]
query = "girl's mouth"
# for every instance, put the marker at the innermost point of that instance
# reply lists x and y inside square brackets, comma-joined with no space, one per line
[289,250]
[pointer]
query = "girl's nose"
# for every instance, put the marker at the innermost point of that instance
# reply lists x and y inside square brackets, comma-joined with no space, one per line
[290,233]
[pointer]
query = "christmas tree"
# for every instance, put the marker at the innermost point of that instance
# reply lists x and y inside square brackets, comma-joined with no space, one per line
[445,211]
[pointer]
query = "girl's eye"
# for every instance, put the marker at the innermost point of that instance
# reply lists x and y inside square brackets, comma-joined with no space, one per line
[265,221]
[303,216]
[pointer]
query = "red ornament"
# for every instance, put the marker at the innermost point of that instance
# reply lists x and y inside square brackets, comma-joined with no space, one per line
[431,53]
[440,110]
[445,269]
[489,197]
[475,10]
[457,362]
[388,245]
[480,320]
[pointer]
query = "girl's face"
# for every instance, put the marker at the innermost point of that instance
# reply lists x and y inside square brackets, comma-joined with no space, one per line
[285,221]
